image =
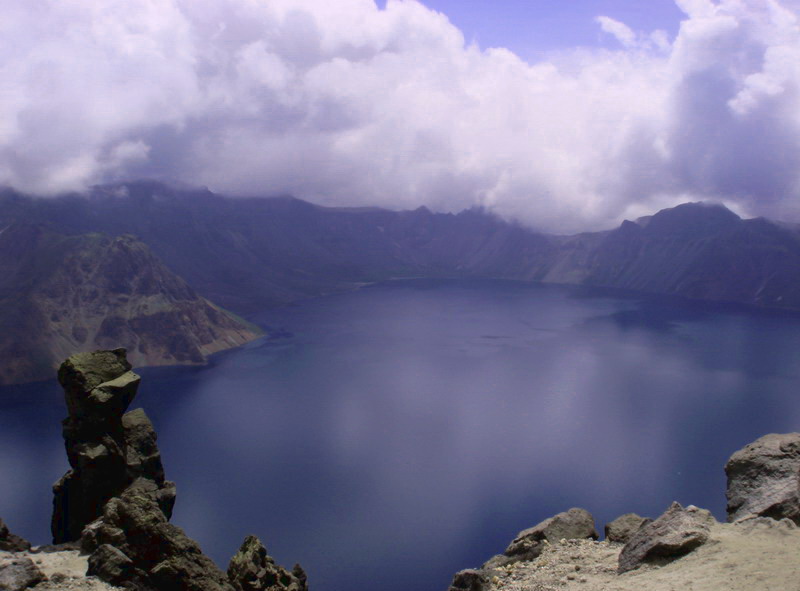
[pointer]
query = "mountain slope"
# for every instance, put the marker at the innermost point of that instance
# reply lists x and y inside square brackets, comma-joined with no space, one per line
[250,253]
[64,294]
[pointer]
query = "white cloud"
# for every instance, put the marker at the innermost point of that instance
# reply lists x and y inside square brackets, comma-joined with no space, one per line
[622,32]
[343,103]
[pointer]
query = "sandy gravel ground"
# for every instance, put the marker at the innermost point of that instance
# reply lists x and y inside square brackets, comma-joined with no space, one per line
[64,570]
[755,555]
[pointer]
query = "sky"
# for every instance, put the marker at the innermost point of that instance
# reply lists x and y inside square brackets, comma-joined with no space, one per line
[565,116]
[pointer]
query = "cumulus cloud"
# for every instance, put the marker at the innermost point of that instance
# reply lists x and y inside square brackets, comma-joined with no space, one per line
[348,104]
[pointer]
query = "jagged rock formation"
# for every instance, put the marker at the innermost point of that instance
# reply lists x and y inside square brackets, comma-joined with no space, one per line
[676,532]
[252,569]
[622,529]
[764,479]
[107,448]
[60,294]
[10,542]
[115,498]
[133,543]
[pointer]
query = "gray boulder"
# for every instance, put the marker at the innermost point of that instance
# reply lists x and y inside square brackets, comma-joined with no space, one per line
[764,479]
[18,574]
[675,533]
[575,524]
[252,569]
[10,542]
[107,449]
[621,530]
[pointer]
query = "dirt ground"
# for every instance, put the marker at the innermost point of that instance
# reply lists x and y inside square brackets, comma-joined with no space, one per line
[757,554]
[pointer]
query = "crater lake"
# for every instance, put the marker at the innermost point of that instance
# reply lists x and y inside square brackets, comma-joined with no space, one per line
[388,437]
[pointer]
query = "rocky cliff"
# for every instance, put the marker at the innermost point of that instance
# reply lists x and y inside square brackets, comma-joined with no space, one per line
[61,294]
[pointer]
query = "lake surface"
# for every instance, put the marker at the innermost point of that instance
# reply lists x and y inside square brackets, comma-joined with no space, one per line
[388,437]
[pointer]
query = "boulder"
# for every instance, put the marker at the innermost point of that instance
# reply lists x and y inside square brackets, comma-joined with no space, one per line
[764,479]
[136,546]
[11,543]
[252,569]
[107,448]
[470,580]
[575,524]
[621,530]
[110,565]
[18,574]
[675,533]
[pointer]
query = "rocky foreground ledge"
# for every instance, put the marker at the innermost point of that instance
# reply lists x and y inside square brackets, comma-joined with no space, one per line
[683,549]
[111,510]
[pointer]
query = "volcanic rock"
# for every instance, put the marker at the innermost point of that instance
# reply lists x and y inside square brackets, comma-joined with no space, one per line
[676,532]
[107,450]
[18,574]
[470,580]
[764,479]
[252,569]
[622,529]
[10,542]
[137,546]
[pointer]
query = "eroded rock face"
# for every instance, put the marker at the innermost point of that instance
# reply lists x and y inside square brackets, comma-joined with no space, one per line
[133,544]
[764,479]
[675,533]
[622,529]
[107,448]
[575,524]
[10,542]
[252,569]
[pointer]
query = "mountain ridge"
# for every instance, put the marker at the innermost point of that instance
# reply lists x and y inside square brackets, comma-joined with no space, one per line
[74,293]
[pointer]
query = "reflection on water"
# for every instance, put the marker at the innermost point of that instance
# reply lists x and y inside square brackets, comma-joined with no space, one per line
[397,434]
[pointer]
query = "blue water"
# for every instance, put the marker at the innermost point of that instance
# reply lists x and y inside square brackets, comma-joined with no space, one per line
[388,437]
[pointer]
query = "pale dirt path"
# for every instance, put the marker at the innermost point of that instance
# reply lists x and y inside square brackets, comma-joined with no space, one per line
[66,571]
[756,555]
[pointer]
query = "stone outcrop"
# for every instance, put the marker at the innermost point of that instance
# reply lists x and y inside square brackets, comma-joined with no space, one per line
[115,498]
[252,569]
[764,479]
[107,448]
[10,542]
[18,574]
[134,544]
[622,529]
[470,580]
[675,533]
[575,524]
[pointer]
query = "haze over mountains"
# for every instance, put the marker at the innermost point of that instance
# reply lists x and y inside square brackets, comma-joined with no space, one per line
[73,264]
